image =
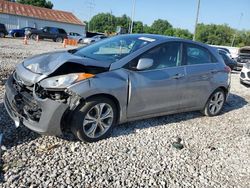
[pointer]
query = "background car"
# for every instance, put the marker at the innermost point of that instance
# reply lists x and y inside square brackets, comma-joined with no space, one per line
[54,33]
[76,36]
[94,39]
[3,31]
[245,74]
[226,52]
[228,61]
[124,78]
[243,57]
[20,32]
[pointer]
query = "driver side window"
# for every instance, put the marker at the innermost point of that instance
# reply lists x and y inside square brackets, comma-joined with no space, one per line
[163,56]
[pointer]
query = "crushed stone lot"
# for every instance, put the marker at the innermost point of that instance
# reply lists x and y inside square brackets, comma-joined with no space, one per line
[216,150]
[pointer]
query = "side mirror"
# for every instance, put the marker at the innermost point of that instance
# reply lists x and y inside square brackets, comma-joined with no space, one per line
[144,63]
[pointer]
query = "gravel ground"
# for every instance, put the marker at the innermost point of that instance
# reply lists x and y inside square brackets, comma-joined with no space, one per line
[216,150]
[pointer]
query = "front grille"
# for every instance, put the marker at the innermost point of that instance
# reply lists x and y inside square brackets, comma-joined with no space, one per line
[248,75]
[242,75]
[23,104]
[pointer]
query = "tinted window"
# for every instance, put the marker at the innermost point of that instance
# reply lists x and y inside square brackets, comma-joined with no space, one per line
[198,55]
[61,31]
[53,30]
[225,58]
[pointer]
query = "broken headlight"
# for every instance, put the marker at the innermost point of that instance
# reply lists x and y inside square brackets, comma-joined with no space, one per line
[64,81]
[33,67]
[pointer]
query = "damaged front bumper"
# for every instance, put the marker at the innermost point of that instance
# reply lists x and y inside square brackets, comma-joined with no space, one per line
[43,116]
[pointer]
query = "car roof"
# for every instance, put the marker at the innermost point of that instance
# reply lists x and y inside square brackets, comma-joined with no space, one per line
[170,38]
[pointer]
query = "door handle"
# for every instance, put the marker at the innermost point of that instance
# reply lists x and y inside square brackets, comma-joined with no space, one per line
[178,76]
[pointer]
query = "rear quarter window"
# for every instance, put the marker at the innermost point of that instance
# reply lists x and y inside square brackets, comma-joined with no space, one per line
[61,31]
[196,54]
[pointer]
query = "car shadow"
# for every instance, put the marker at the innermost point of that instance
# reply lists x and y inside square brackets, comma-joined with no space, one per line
[234,102]
[15,136]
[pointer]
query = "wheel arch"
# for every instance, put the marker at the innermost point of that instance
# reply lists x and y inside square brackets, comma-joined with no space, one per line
[111,97]
[224,89]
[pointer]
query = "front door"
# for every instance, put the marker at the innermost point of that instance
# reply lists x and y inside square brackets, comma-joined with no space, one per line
[157,89]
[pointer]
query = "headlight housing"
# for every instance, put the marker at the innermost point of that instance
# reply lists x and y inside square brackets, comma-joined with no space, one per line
[33,67]
[64,81]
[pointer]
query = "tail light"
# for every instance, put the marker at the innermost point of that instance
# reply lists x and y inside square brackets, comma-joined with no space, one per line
[227,69]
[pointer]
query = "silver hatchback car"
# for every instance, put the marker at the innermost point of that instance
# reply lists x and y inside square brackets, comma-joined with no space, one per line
[116,80]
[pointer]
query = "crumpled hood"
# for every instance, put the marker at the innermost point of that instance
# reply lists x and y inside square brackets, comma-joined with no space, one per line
[49,62]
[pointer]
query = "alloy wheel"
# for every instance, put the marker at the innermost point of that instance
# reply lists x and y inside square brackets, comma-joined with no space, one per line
[98,120]
[216,102]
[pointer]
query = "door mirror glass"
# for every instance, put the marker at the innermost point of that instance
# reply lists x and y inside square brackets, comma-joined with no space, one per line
[144,63]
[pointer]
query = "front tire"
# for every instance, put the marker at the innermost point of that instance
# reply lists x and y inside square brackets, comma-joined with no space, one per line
[94,120]
[215,103]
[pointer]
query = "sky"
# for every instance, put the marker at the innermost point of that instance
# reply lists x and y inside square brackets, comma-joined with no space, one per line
[180,13]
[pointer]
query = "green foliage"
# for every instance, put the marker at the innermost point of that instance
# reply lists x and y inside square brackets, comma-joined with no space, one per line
[103,22]
[215,34]
[242,38]
[147,29]
[138,27]
[123,21]
[38,3]
[210,34]
[182,33]
[160,26]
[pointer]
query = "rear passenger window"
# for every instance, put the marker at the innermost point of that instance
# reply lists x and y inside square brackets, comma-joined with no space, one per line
[61,31]
[53,30]
[198,55]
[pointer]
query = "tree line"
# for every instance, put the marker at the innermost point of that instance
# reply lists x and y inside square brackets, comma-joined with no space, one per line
[216,34]
[38,3]
[207,33]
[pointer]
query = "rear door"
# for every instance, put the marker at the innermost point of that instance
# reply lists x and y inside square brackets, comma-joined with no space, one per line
[157,89]
[53,33]
[200,66]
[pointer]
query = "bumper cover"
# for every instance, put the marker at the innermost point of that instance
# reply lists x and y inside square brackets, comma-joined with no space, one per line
[49,121]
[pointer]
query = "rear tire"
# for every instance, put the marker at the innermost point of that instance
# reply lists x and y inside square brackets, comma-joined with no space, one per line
[59,39]
[94,120]
[33,36]
[2,35]
[15,35]
[215,103]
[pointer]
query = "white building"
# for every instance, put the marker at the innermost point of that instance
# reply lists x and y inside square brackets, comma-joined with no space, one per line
[16,16]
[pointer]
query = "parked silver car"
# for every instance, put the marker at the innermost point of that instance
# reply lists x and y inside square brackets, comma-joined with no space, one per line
[94,39]
[245,74]
[76,36]
[120,79]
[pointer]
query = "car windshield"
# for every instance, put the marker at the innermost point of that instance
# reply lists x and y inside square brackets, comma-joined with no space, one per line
[113,49]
